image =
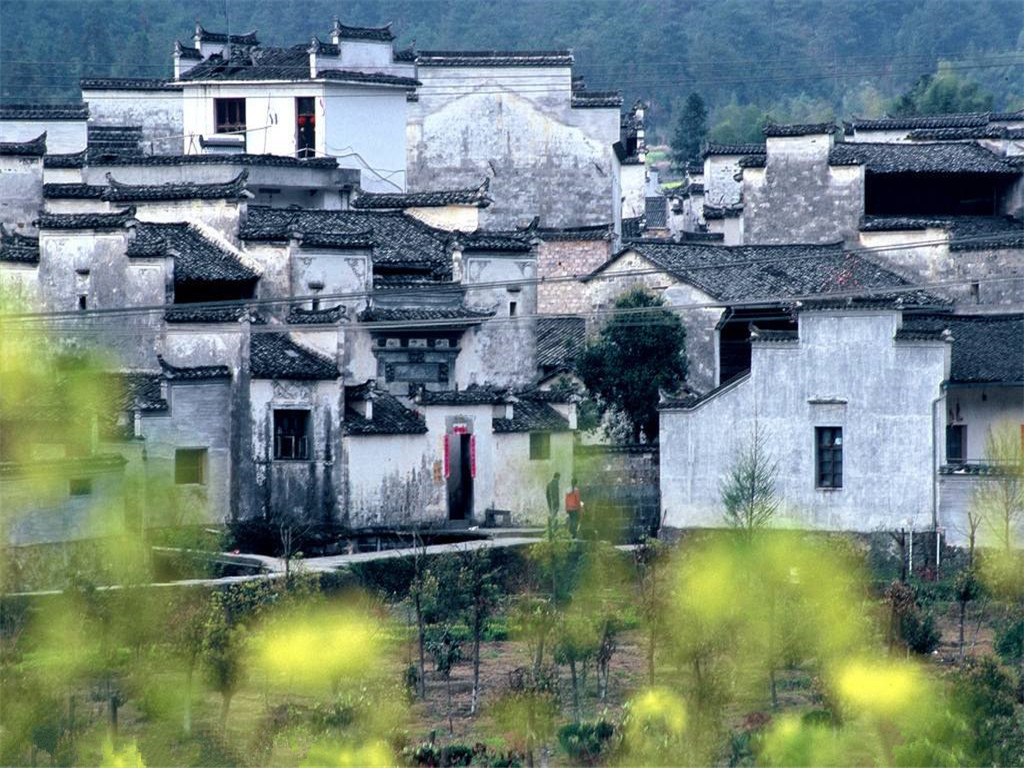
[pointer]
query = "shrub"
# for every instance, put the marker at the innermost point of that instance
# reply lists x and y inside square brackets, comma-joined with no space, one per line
[918,631]
[1010,641]
[585,743]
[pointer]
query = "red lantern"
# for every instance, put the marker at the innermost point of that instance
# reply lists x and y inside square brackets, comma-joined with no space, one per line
[312,119]
[302,119]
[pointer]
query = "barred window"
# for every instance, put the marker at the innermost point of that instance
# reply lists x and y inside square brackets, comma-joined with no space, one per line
[291,438]
[829,441]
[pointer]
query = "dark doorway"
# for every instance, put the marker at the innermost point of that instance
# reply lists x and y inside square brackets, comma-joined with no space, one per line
[460,477]
[305,127]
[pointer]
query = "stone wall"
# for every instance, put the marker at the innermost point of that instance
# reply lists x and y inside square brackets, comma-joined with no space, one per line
[620,489]
[515,126]
[21,192]
[798,197]
[845,371]
[567,258]
[159,113]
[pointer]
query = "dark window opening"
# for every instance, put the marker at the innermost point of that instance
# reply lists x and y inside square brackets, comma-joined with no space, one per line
[80,486]
[291,435]
[229,115]
[190,293]
[190,466]
[540,446]
[734,338]
[305,127]
[83,303]
[511,309]
[829,456]
[956,443]
[933,194]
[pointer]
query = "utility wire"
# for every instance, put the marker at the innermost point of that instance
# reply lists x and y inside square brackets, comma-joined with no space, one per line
[462,288]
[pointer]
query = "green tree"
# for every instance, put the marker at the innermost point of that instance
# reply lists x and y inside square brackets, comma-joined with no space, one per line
[748,493]
[690,132]
[941,93]
[641,350]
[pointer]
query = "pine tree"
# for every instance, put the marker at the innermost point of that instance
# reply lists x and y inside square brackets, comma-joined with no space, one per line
[691,131]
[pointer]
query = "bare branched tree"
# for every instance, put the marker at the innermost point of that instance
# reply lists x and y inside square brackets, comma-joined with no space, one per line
[999,500]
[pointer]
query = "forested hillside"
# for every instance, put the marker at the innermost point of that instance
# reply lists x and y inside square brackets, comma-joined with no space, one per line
[795,59]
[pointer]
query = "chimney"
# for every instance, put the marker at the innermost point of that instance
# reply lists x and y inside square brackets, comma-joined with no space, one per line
[368,412]
[571,416]
[336,31]
[456,261]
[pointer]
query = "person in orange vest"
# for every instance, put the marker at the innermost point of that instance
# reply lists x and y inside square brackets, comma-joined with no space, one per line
[573,508]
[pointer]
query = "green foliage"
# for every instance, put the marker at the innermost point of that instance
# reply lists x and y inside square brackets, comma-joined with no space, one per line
[748,493]
[918,631]
[690,132]
[586,743]
[1009,642]
[942,92]
[640,350]
[984,695]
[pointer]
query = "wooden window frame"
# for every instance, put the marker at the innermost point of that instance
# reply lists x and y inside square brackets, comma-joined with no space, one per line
[229,115]
[291,443]
[828,458]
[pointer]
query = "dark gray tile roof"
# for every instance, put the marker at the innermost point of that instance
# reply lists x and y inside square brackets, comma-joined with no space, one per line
[967,233]
[73,191]
[189,52]
[958,134]
[420,313]
[561,58]
[584,99]
[752,161]
[802,129]
[18,249]
[945,158]
[722,211]
[531,416]
[767,336]
[273,355]
[964,120]
[395,200]
[685,190]
[559,341]
[986,348]
[246,38]
[340,240]
[474,394]
[406,54]
[193,373]
[345,32]
[44,111]
[327,316]
[690,399]
[196,258]
[32,148]
[399,240]
[269,63]
[632,228]
[734,149]
[228,190]
[67,160]
[372,78]
[483,240]
[138,391]
[696,168]
[114,140]
[184,313]
[282,161]
[390,417]
[128,84]
[114,220]
[593,232]
[776,273]
[324,49]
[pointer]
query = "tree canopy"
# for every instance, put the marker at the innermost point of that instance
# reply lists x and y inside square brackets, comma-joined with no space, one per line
[640,350]
[690,132]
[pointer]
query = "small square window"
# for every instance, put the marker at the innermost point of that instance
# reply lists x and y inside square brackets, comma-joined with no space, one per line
[512,309]
[229,115]
[540,446]
[291,435]
[80,486]
[190,466]
[829,457]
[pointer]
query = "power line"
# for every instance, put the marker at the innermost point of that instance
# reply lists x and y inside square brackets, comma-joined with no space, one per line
[461,288]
